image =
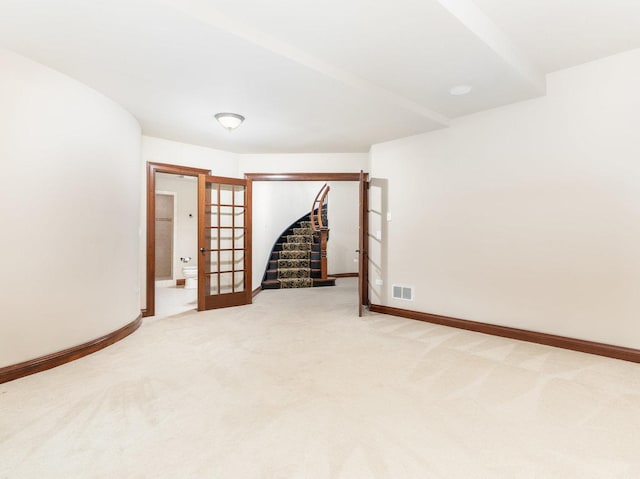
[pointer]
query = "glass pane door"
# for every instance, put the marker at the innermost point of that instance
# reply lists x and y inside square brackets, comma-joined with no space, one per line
[363,261]
[224,222]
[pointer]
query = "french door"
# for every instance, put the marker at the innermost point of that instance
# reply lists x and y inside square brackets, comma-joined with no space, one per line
[224,242]
[363,244]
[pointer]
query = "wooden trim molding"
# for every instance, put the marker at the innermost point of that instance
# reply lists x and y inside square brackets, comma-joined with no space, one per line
[177,169]
[256,291]
[345,275]
[600,349]
[302,176]
[9,373]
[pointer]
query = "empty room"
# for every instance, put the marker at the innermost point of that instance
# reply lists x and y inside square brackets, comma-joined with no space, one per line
[341,239]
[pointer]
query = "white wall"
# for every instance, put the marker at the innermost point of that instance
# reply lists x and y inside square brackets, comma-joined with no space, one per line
[69,208]
[277,204]
[303,163]
[344,219]
[158,150]
[528,215]
[185,227]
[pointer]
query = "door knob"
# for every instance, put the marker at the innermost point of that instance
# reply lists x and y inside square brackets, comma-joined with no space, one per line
[202,250]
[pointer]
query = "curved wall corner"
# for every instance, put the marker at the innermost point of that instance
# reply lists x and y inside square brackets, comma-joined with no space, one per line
[70,191]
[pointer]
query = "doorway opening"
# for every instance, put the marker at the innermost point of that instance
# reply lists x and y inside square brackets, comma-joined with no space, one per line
[206,240]
[171,245]
[363,180]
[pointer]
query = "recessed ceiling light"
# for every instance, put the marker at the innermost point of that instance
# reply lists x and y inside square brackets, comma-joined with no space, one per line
[460,90]
[230,121]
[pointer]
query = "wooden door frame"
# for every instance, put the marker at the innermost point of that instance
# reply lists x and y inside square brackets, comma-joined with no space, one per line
[152,169]
[363,244]
[363,291]
[204,222]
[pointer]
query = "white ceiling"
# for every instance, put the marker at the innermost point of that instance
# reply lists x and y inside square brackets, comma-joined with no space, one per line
[313,76]
[557,34]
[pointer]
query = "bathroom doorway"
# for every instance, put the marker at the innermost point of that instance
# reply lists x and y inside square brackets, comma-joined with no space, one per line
[176,258]
[166,294]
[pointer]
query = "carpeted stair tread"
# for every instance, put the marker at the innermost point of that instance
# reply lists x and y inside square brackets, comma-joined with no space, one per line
[288,273]
[313,270]
[293,263]
[296,283]
[295,254]
[303,231]
[296,246]
[299,238]
[298,263]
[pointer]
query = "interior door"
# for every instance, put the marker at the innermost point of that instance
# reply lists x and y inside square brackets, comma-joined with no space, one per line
[224,241]
[363,261]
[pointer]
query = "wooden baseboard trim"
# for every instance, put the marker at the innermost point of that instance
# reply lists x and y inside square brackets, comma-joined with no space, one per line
[600,349]
[344,275]
[9,373]
[181,282]
[255,292]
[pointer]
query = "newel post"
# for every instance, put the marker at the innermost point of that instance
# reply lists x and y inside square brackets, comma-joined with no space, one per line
[324,236]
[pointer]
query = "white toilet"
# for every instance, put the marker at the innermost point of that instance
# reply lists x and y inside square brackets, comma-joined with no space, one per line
[190,274]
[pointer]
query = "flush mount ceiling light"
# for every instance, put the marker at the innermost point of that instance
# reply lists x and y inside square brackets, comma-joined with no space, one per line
[230,121]
[460,90]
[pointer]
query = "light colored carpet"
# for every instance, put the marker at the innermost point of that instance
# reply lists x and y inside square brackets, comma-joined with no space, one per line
[296,386]
[171,300]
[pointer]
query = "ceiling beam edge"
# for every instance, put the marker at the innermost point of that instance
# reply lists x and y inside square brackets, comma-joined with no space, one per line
[476,21]
[204,12]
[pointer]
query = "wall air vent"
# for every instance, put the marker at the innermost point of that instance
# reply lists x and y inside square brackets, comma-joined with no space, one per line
[402,292]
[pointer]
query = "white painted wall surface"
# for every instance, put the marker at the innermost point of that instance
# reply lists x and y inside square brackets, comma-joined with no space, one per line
[69,209]
[344,219]
[158,150]
[185,226]
[303,163]
[528,215]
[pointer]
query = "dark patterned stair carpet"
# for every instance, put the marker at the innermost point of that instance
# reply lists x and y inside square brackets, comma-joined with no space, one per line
[296,273]
[295,258]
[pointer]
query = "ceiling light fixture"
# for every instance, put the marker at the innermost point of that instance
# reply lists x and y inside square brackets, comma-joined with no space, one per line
[230,121]
[460,90]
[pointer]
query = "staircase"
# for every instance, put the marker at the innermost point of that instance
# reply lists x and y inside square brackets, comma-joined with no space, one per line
[295,260]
